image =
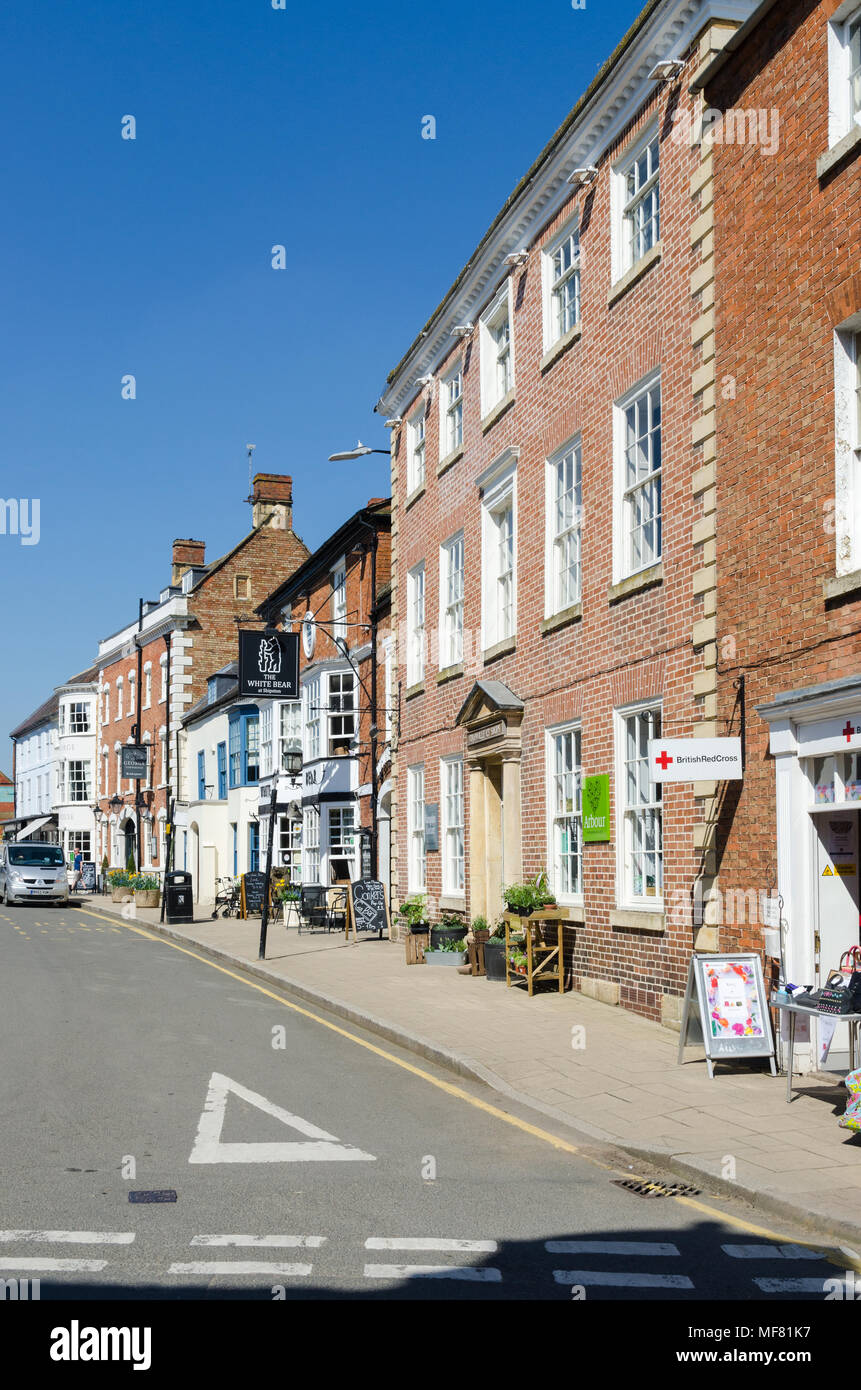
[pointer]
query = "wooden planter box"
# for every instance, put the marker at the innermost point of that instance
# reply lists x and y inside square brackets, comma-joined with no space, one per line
[544,961]
[417,942]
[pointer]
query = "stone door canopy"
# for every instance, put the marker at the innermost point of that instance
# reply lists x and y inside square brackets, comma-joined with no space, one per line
[491,715]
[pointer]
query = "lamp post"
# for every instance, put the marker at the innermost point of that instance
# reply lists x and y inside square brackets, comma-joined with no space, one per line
[359,452]
[293,766]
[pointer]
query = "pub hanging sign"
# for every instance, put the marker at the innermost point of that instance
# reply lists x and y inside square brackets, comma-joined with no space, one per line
[269,665]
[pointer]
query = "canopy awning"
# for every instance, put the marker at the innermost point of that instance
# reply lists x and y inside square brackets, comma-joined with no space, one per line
[33,826]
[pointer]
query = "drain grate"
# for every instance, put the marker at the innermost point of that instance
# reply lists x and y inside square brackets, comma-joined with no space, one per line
[657,1189]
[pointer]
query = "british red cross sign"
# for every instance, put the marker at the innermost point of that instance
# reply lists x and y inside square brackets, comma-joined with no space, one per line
[695,759]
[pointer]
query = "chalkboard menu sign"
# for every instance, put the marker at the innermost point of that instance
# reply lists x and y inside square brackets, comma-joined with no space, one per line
[88,876]
[253,890]
[368,903]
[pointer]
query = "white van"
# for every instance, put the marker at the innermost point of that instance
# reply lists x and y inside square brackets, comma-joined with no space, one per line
[30,870]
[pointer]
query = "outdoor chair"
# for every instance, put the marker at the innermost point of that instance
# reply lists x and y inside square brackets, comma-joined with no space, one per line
[313,909]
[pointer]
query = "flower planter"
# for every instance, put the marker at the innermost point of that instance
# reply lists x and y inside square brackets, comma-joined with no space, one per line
[450,958]
[494,961]
[122,895]
[439,935]
[147,897]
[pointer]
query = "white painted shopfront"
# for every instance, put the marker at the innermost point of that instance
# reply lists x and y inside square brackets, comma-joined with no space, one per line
[815,739]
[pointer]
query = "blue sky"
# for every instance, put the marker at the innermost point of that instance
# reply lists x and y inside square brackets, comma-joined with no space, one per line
[254,127]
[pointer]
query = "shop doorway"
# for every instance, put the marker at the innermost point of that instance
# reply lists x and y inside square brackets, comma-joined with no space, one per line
[837,907]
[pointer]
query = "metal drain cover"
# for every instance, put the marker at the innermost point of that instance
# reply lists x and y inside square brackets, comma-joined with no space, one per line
[657,1189]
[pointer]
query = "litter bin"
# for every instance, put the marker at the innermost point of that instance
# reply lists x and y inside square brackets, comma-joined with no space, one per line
[179,896]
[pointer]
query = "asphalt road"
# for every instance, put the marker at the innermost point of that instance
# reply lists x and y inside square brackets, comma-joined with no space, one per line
[323,1167]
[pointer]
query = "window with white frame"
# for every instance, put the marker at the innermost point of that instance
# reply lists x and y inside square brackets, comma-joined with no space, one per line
[637,197]
[79,843]
[311,845]
[416,829]
[289,848]
[149,760]
[291,731]
[163,769]
[119,787]
[451,601]
[163,664]
[339,602]
[640,840]
[265,740]
[565,812]
[451,411]
[847,444]
[844,71]
[312,711]
[79,717]
[564,517]
[416,624]
[342,710]
[107,704]
[638,478]
[561,264]
[61,783]
[388,685]
[497,352]
[416,450]
[147,691]
[342,835]
[451,779]
[119,713]
[132,692]
[499,574]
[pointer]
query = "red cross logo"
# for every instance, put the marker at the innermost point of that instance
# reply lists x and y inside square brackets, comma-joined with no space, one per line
[848,731]
[663,761]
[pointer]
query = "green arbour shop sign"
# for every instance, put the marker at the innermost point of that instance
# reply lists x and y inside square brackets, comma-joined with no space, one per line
[596,807]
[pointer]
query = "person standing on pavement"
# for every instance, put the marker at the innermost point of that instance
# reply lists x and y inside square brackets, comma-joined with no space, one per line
[79,871]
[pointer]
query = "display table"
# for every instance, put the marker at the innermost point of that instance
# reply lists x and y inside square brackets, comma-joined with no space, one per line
[788,1007]
[543,961]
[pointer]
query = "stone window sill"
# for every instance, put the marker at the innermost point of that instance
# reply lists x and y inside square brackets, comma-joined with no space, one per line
[413,690]
[635,583]
[572,912]
[636,273]
[849,145]
[498,411]
[564,618]
[415,495]
[498,649]
[453,902]
[838,586]
[637,919]
[449,461]
[557,349]
[450,673]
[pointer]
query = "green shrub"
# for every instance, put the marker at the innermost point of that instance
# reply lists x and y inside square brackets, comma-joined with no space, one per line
[143,883]
[414,910]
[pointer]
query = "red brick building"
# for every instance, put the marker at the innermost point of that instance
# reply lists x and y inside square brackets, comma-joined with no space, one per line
[333,600]
[787,369]
[183,636]
[553,489]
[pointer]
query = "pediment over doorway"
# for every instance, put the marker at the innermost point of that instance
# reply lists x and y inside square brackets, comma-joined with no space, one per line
[491,714]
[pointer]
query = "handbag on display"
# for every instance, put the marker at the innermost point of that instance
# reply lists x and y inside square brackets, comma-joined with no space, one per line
[842,991]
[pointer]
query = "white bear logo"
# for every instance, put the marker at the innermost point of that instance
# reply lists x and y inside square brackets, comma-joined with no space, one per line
[269,656]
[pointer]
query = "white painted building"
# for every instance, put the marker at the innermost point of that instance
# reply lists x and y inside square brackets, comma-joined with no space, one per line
[54,768]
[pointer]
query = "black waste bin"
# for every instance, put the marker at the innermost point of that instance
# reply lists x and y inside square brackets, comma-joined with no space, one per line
[179,896]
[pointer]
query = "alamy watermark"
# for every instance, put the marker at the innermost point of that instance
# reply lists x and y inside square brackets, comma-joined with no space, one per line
[758,126]
[21,517]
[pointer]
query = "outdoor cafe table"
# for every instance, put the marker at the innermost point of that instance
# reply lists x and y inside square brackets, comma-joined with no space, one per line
[794,1010]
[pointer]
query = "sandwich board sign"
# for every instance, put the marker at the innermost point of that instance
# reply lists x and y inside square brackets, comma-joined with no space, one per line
[695,759]
[733,1008]
[368,907]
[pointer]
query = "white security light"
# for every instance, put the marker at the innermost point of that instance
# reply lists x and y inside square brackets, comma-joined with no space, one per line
[584,176]
[517,258]
[666,69]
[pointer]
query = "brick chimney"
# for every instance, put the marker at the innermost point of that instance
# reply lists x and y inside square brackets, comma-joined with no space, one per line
[272,496]
[185,554]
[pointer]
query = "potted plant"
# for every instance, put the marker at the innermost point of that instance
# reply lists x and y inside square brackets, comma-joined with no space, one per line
[285,893]
[131,867]
[104,882]
[528,897]
[414,912]
[451,953]
[451,927]
[120,886]
[147,890]
[494,954]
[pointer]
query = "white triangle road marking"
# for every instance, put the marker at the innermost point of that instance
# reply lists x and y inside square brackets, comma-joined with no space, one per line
[318,1146]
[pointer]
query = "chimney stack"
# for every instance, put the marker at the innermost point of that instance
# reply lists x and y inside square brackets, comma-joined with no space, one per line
[185,554]
[272,497]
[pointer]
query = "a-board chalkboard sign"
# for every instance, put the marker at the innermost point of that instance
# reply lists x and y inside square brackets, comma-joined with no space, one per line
[733,1008]
[88,876]
[368,907]
[253,889]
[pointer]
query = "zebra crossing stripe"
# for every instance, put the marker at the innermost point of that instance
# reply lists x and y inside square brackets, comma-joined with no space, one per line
[771,1252]
[232,1267]
[599,1279]
[610,1247]
[483,1247]
[70,1237]
[269,1242]
[463,1272]
[45,1265]
[791,1285]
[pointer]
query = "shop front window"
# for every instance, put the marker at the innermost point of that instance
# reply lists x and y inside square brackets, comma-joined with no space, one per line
[852,776]
[823,781]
